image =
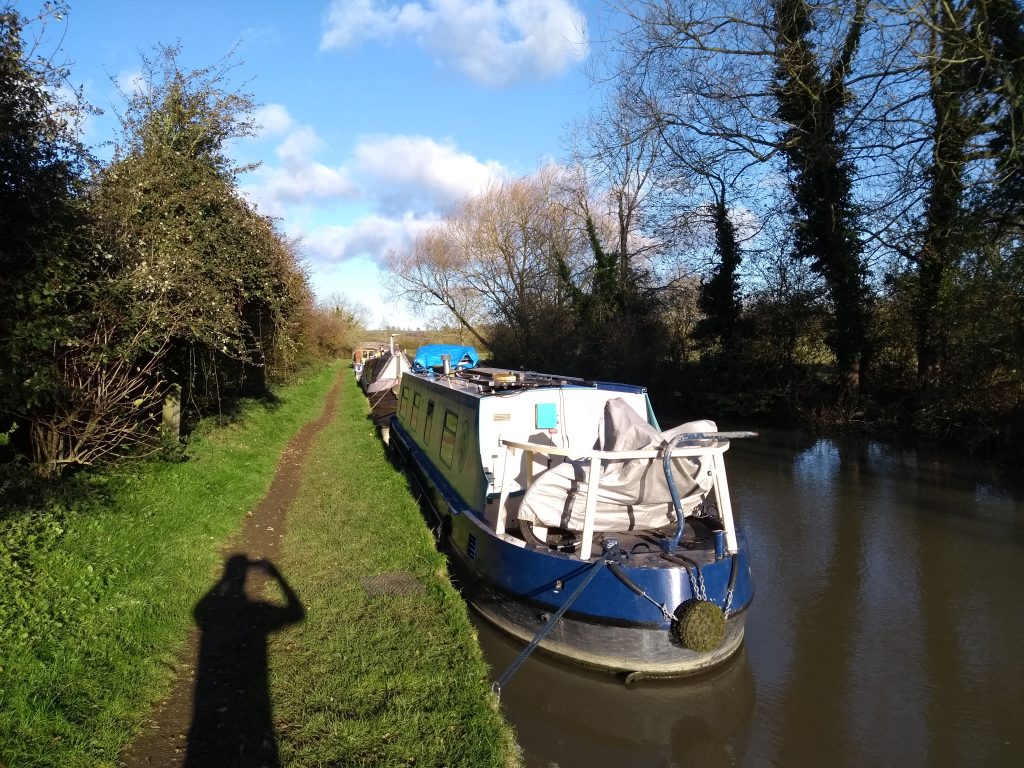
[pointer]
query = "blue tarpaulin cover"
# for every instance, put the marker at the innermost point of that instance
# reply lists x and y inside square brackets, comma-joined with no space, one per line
[429,356]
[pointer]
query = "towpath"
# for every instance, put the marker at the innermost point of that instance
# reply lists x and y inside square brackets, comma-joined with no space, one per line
[218,712]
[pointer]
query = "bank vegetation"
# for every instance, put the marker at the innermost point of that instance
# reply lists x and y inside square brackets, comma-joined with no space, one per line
[786,210]
[138,282]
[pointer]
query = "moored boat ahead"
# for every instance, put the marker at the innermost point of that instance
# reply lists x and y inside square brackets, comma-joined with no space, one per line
[364,352]
[379,379]
[574,520]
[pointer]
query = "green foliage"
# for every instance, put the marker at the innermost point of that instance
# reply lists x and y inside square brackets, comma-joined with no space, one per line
[162,273]
[225,286]
[978,398]
[47,267]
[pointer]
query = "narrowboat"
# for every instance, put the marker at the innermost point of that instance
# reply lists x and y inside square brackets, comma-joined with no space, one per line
[574,522]
[379,379]
[364,351]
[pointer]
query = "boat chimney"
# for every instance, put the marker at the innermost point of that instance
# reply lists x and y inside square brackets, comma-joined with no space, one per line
[391,343]
[446,361]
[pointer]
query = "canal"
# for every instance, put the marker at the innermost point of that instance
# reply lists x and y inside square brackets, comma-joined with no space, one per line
[887,628]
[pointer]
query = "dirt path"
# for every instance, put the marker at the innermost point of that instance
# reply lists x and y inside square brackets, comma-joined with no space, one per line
[218,713]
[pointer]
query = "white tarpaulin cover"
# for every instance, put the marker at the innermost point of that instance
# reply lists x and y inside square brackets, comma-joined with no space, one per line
[633,494]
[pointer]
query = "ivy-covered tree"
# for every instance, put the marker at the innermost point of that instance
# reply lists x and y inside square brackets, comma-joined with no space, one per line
[620,331]
[719,298]
[223,283]
[1003,67]
[811,98]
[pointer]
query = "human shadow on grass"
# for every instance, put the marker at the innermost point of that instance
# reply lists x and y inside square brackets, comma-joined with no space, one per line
[232,717]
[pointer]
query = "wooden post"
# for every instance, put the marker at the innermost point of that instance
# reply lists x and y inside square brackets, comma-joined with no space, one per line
[172,411]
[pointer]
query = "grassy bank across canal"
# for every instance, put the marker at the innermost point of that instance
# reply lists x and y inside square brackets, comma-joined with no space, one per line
[98,590]
[386,669]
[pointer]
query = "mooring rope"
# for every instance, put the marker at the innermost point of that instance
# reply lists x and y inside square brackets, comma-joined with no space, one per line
[611,548]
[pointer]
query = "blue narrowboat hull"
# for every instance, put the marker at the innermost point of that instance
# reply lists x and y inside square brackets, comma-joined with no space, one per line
[609,626]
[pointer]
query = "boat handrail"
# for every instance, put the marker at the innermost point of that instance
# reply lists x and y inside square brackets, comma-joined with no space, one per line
[713,451]
[584,453]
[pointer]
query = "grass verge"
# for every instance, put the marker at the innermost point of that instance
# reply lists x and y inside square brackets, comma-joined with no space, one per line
[96,597]
[375,679]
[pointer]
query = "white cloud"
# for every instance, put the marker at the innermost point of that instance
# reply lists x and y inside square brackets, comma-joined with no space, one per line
[302,184]
[130,82]
[300,145]
[395,174]
[298,179]
[495,42]
[418,173]
[272,120]
[371,237]
[350,21]
[406,183]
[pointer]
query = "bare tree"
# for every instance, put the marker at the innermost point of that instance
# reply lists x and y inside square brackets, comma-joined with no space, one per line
[617,153]
[111,391]
[494,264]
[740,94]
[432,275]
[353,314]
[512,236]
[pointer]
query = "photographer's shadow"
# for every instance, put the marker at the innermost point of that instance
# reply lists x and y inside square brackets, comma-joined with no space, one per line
[232,717]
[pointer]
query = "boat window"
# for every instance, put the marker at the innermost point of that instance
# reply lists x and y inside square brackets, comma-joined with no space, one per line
[417,400]
[429,423]
[403,409]
[451,425]
[463,446]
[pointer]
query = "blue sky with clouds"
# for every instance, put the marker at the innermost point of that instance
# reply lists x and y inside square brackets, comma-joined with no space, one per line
[377,116]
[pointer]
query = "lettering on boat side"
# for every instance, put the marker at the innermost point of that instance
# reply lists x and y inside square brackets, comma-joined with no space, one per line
[503,417]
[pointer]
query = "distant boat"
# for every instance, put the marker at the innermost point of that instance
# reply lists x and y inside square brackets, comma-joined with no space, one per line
[365,350]
[379,379]
[561,500]
[383,372]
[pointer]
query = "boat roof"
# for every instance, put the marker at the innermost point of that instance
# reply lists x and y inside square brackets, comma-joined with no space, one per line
[482,381]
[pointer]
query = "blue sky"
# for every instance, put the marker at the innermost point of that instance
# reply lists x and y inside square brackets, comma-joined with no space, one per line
[377,116]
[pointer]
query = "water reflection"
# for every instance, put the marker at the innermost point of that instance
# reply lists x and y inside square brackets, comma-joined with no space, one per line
[566,716]
[887,628]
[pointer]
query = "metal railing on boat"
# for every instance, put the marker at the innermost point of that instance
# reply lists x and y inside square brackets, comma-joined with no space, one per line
[710,456]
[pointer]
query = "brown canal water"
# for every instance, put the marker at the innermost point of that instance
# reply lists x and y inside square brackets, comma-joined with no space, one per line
[887,628]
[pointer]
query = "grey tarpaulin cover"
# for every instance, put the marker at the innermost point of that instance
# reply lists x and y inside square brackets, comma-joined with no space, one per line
[383,373]
[633,494]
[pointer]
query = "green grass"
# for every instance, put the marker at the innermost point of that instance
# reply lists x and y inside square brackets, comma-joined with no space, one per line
[375,681]
[96,598]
